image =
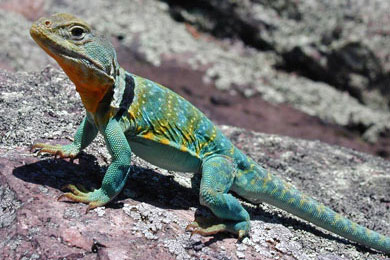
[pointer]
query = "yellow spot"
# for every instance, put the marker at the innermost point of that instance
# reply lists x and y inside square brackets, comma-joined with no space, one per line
[284,191]
[232,150]
[274,190]
[254,180]
[286,188]
[320,208]
[131,113]
[212,137]
[291,201]
[266,180]
[353,227]
[183,148]
[239,174]
[251,166]
[188,138]
[207,154]
[164,123]
[164,141]
[368,233]
[149,136]
[336,219]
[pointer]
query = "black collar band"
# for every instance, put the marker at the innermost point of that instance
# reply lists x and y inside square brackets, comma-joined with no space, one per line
[128,95]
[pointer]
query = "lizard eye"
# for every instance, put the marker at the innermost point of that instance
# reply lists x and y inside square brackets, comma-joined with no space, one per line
[77,32]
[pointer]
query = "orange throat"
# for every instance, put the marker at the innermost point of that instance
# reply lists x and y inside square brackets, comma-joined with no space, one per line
[91,99]
[89,85]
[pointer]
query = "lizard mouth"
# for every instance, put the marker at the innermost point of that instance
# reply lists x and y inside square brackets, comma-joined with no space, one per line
[56,50]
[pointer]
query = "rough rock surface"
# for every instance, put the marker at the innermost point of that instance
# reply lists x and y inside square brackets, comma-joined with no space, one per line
[148,218]
[328,59]
[332,41]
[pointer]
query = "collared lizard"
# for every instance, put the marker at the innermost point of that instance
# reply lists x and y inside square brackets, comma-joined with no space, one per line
[137,115]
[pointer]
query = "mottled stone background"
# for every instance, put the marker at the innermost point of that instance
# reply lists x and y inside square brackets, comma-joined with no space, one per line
[316,70]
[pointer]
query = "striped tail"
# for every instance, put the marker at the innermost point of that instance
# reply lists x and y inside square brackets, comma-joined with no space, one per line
[279,193]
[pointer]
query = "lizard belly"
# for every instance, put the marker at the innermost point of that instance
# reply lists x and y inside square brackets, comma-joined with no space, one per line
[164,156]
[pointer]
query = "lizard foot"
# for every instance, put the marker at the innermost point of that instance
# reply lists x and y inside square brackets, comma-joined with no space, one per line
[63,151]
[241,229]
[78,193]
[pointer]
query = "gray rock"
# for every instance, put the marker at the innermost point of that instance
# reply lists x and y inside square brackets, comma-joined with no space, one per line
[335,42]
[343,44]
[148,218]
[18,50]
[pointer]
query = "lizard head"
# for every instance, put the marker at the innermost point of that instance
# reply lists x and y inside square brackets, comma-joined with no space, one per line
[87,58]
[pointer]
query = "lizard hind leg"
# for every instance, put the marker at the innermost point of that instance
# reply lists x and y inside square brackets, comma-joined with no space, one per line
[218,173]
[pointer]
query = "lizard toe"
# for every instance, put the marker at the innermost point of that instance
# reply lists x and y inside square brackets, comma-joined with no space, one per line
[204,228]
[206,231]
[79,193]
[93,205]
[77,189]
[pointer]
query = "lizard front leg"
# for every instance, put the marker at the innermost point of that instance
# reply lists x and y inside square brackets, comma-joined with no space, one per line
[85,134]
[116,175]
[217,177]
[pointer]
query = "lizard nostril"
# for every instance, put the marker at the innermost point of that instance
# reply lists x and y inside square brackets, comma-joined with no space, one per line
[47,22]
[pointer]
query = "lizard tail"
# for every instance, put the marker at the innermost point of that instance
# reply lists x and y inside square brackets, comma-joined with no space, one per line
[268,188]
[287,197]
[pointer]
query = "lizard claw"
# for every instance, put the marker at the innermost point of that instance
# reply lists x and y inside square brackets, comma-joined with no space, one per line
[241,229]
[93,205]
[62,151]
[242,234]
[195,228]
[78,193]
[76,189]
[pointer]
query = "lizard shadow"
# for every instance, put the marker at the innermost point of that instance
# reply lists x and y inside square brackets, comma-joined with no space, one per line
[143,185]
[148,186]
